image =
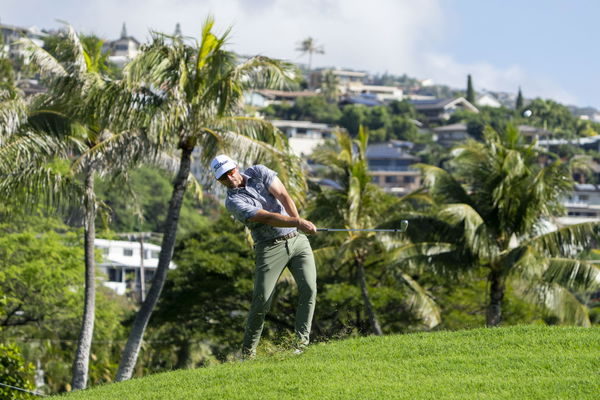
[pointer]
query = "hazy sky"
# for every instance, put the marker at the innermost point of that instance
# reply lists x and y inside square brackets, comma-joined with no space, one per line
[548,47]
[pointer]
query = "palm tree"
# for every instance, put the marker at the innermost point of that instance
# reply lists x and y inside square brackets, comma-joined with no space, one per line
[493,209]
[53,148]
[330,87]
[359,204]
[309,46]
[199,89]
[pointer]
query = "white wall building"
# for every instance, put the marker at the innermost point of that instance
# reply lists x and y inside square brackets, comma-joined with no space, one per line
[382,93]
[123,49]
[304,136]
[122,263]
[583,205]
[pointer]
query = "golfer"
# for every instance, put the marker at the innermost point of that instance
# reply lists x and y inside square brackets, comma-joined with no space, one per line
[257,198]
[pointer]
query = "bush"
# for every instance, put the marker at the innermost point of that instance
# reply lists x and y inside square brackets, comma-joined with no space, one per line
[14,372]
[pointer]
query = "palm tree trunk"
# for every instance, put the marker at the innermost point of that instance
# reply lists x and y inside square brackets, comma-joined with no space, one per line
[84,343]
[132,348]
[367,300]
[497,287]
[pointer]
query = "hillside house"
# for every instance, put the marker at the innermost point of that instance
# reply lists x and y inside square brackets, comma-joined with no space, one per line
[436,111]
[384,94]
[123,265]
[583,205]
[390,167]
[264,97]
[11,34]
[488,100]
[122,50]
[304,136]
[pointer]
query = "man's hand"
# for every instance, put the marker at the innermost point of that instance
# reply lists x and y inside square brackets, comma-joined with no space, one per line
[306,226]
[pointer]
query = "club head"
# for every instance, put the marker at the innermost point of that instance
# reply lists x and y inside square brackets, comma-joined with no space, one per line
[403,225]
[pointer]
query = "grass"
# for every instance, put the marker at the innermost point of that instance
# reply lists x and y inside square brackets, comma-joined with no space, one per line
[522,362]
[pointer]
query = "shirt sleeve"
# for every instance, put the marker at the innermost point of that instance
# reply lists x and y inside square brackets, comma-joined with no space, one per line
[241,210]
[265,174]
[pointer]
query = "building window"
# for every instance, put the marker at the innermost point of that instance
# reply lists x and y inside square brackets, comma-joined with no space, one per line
[115,275]
[409,179]
[128,252]
[391,179]
[155,254]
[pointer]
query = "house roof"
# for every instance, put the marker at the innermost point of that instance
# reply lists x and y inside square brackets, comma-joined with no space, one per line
[577,141]
[300,124]
[451,128]
[529,130]
[389,150]
[441,104]
[365,99]
[272,94]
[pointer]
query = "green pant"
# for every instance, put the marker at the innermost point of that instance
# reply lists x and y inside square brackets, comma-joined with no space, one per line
[271,260]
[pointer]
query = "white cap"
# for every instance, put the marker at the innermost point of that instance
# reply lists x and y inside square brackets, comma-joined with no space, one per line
[221,164]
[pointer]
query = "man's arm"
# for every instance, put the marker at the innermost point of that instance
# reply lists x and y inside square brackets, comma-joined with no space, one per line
[283,221]
[280,193]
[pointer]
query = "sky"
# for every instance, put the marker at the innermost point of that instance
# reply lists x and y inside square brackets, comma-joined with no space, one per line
[546,47]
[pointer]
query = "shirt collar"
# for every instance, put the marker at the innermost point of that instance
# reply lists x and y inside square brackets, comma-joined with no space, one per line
[237,189]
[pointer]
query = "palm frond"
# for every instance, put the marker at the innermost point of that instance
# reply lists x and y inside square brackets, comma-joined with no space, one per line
[567,240]
[421,303]
[442,185]
[475,231]
[558,301]
[573,274]
[40,57]
[13,114]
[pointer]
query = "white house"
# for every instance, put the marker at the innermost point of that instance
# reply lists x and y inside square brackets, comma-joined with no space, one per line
[304,136]
[489,100]
[123,49]
[123,265]
[382,93]
[11,35]
[582,205]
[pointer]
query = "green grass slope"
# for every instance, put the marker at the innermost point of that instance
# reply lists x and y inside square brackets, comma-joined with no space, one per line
[523,362]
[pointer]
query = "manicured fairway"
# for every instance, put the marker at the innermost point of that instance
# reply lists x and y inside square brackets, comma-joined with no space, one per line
[524,362]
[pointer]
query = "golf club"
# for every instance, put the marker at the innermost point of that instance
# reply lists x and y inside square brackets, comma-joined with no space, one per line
[403,227]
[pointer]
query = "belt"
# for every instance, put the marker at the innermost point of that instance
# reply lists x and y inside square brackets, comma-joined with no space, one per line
[281,238]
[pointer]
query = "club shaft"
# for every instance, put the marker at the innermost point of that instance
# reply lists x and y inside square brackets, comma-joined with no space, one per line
[358,230]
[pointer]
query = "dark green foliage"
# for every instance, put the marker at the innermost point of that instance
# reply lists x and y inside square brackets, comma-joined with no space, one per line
[141,204]
[404,108]
[353,116]
[312,108]
[41,287]
[15,371]
[470,91]
[519,102]
[488,208]
[208,296]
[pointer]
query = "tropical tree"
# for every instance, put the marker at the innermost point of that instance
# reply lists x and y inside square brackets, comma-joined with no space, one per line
[359,204]
[199,89]
[54,146]
[470,96]
[494,209]
[309,46]
[519,102]
[330,87]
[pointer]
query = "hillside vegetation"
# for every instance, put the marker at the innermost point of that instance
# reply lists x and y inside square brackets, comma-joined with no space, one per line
[522,362]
